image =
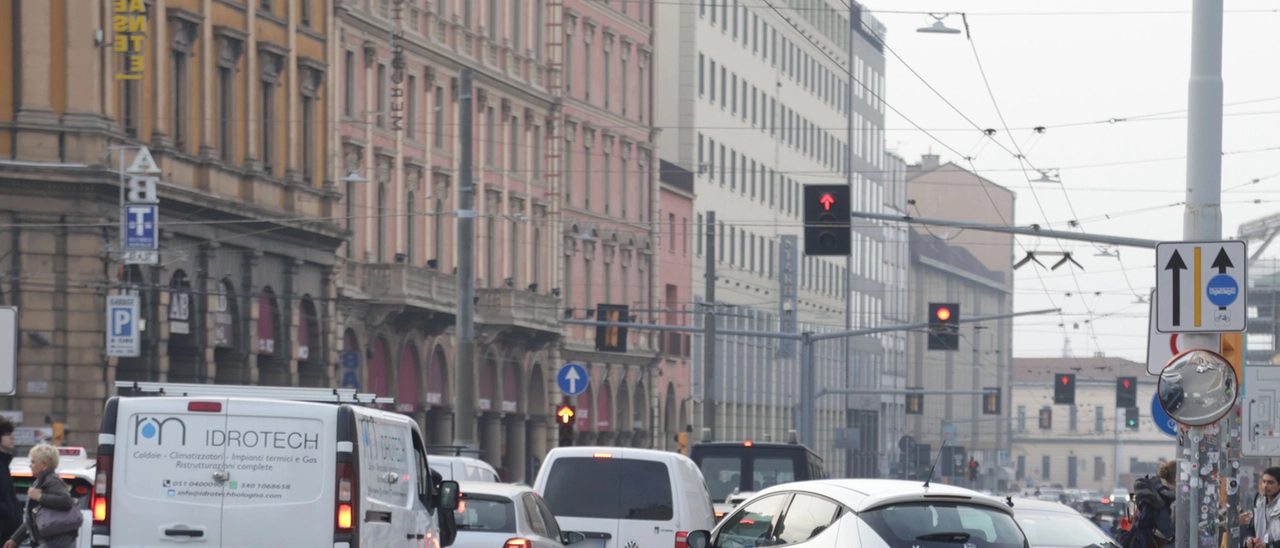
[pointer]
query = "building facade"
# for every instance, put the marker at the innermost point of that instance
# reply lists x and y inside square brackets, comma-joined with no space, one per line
[749,97]
[975,272]
[609,198]
[897,310]
[1086,445]
[675,272]
[229,98]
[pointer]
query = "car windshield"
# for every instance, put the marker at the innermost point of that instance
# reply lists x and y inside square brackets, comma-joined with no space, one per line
[1058,529]
[486,513]
[723,470]
[944,524]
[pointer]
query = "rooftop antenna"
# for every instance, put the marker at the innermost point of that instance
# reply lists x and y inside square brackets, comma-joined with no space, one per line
[935,465]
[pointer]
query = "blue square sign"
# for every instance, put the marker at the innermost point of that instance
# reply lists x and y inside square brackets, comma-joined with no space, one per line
[141,227]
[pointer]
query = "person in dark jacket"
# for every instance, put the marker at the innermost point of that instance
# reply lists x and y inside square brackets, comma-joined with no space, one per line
[47,491]
[10,508]
[1153,526]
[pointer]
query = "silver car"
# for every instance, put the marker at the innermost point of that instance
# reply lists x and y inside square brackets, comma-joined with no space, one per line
[493,515]
[1054,525]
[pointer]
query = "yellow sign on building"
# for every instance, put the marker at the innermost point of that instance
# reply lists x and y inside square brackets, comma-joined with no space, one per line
[129,22]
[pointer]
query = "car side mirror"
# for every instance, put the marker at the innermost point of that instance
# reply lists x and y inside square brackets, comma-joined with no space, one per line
[698,539]
[571,537]
[448,495]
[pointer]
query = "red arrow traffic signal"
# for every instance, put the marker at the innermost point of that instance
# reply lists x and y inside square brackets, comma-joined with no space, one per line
[1066,381]
[826,200]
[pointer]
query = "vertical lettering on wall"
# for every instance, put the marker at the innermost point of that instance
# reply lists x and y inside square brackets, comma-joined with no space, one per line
[397,66]
[129,22]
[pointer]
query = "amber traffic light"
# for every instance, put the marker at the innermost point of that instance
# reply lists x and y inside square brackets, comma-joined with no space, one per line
[944,326]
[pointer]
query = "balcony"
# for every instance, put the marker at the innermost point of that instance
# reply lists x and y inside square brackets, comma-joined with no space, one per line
[519,309]
[414,286]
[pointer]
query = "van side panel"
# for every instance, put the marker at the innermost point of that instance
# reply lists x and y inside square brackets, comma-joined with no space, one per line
[385,456]
[164,487]
[279,459]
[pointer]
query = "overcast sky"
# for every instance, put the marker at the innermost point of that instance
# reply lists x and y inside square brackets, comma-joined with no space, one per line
[1048,68]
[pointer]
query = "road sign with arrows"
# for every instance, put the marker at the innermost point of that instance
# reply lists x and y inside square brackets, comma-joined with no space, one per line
[1200,286]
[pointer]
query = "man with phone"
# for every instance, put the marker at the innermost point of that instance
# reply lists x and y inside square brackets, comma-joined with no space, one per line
[1264,532]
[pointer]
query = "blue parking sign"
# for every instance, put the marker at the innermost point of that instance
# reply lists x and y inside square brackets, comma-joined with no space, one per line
[141,227]
[123,339]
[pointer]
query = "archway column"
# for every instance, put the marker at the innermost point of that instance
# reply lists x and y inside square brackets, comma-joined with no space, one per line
[514,461]
[441,419]
[491,434]
[537,441]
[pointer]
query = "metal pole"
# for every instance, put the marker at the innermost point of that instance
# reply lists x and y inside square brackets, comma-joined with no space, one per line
[709,333]
[1202,218]
[848,174]
[464,415]
[808,393]
[123,226]
[1033,230]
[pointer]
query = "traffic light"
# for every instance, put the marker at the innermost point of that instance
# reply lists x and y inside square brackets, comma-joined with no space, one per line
[1131,418]
[1064,389]
[826,220]
[1046,418]
[915,404]
[973,470]
[611,338]
[991,401]
[944,326]
[1127,392]
[564,417]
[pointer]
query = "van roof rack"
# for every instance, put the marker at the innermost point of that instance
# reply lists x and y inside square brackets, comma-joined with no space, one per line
[289,393]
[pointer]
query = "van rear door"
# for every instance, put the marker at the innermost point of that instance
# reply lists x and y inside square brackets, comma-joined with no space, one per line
[630,499]
[387,515]
[166,486]
[280,459]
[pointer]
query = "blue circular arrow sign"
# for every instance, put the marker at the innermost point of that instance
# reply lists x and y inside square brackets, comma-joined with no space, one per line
[1162,419]
[572,379]
[1222,290]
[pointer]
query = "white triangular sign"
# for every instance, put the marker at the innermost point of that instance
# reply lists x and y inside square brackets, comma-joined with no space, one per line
[143,162]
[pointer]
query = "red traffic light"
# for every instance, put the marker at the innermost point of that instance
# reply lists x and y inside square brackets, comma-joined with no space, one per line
[1065,380]
[943,313]
[1126,383]
[826,200]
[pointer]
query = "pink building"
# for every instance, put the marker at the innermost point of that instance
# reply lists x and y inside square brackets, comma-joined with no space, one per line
[675,278]
[396,65]
[610,197]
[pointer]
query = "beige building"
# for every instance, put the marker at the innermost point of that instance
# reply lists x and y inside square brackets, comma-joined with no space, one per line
[974,270]
[1086,445]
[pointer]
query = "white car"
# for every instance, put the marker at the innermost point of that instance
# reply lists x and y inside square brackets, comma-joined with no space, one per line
[491,514]
[1055,525]
[867,513]
[77,472]
[462,468]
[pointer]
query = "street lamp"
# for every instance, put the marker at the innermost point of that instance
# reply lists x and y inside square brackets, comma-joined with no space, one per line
[938,27]
[353,177]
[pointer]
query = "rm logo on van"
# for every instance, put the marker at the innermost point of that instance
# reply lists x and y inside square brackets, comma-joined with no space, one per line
[154,429]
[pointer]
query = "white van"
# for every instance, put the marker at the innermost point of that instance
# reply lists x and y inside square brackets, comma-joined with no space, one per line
[625,498]
[242,466]
[459,468]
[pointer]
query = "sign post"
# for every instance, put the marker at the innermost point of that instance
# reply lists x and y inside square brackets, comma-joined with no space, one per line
[123,338]
[1200,286]
[572,379]
[8,351]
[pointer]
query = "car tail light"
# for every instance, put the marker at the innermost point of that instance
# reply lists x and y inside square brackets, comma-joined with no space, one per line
[682,539]
[516,543]
[101,501]
[719,516]
[344,519]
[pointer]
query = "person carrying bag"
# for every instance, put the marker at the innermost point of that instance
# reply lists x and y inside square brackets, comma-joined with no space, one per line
[53,519]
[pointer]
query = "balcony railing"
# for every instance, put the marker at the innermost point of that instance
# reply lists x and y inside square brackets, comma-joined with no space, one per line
[517,308]
[413,285]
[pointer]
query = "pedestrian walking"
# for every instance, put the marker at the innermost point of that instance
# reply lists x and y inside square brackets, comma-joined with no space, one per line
[53,520]
[10,508]
[1152,524]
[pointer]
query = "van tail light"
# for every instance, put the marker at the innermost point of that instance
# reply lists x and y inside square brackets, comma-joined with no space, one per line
[719,516]
[517,543]
[344,518]
[101,500]
[682,539]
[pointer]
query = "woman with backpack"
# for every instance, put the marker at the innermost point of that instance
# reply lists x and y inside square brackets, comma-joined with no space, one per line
[1152,525]
[1264,531]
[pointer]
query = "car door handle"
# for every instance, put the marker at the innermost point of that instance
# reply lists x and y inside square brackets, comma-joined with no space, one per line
[383,517]
[412,536]
[194,533]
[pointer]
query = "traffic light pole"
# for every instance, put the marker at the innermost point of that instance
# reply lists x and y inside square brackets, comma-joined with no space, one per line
[807,406]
